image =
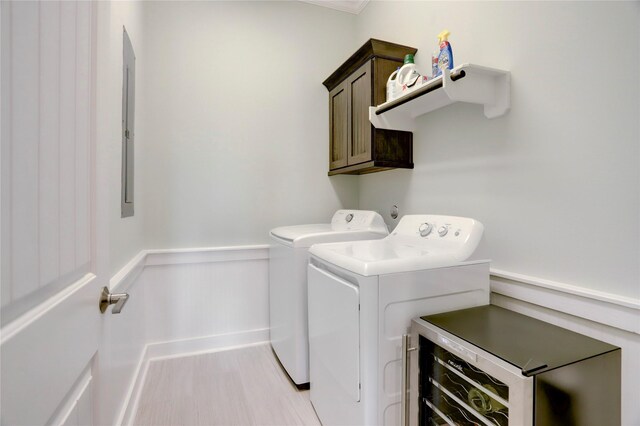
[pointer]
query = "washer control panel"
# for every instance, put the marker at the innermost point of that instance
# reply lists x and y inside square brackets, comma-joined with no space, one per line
[430,227]
[354,220]
[458,236]
[425,229]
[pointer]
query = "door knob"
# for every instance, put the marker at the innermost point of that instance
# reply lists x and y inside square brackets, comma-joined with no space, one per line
[117,299]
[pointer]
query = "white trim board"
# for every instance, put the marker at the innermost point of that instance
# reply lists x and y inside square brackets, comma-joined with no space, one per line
[608,309]
[568,288]
[126,277]
[605,308]
[206,255]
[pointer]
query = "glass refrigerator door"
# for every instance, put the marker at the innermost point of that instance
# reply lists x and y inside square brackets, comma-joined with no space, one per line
[455,392]
[453,382]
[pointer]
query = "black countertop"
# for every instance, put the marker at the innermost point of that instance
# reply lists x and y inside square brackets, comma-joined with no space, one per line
[532,345]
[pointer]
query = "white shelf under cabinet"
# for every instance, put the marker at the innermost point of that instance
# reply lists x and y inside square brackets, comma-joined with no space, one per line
[465,83]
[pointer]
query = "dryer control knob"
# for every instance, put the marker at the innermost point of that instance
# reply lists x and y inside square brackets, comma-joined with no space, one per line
[349,217]
[443,231]
[425,229]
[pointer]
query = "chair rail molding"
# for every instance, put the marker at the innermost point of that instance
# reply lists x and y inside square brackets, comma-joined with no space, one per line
[604,308]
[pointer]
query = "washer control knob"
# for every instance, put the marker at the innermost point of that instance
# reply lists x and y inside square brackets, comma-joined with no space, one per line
[425,229]
[349,217]
[443,231]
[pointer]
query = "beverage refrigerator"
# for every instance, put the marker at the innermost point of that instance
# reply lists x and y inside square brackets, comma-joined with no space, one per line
[494,367]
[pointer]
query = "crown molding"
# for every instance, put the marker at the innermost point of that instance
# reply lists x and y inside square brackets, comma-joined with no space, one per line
[349,6]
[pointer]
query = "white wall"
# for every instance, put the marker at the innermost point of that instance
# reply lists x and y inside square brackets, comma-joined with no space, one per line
[206,298]
[237,119]
[126,234]
[556,181]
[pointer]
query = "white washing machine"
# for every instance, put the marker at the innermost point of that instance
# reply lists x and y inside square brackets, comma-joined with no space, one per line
[288,259]
[362,297]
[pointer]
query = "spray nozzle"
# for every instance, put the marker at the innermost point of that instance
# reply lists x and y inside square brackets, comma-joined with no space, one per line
[443,36]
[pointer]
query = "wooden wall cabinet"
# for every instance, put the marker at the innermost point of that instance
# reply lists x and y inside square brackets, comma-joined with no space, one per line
[355,146]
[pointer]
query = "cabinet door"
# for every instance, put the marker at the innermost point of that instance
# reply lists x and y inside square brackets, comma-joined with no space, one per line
[338,126]
[359,91]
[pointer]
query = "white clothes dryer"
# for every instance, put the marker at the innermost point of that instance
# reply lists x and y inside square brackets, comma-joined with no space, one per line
[362,297]
[288,259]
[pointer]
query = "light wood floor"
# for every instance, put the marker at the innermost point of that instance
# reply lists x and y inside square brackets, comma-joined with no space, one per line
[244,386]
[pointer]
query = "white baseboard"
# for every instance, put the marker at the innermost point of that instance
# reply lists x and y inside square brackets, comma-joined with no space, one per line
[198,345]
[181,348]
[130,404]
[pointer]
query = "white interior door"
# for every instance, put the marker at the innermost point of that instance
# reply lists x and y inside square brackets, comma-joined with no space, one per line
[51,277]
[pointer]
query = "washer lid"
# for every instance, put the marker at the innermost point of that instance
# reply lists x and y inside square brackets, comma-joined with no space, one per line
[418,242]
[346,225]
[291,233]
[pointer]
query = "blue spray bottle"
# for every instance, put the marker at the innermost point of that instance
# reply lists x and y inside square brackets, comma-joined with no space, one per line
[445,58]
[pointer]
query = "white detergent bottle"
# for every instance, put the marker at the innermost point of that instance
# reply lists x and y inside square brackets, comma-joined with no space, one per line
[408,75]
[393,87]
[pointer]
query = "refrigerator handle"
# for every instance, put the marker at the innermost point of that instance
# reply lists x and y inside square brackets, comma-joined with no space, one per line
[404,390]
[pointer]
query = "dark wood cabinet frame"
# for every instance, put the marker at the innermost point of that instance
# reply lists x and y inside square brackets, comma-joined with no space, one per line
[355,146]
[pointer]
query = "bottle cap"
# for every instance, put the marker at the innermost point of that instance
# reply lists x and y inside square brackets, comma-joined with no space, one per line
[408,58]
[443,36]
